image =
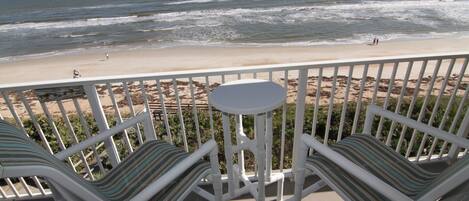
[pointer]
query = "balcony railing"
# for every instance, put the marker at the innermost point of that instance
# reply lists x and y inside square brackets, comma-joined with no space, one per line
[326,99]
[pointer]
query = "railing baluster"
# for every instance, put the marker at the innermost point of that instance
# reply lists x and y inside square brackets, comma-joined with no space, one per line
[448,107]
[165,114]
[399,101]
[331,104]
[223,78]
[270,75]
[435,107]
[181,118]
[345,105]
[386,99]
[147,105]
[359,100]
[132,111]
[87,131]
[194,113]
[210,113]
[12,187]
[3,193]
[118,115]
[39,185]
[26,187]
[13,112]
[284,121]
[455,119]
[424,106]
[73,136]
[378,80]
[316,104]
[412,104]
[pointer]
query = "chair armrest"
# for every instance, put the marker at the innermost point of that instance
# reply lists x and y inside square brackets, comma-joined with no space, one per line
[143,117]
[181,167]
[355,170]
[373,110]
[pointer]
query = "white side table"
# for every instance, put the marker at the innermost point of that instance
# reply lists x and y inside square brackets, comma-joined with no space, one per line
[249,97]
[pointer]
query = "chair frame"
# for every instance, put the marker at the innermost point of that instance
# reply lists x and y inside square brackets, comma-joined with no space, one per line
[458,141]
[65,188]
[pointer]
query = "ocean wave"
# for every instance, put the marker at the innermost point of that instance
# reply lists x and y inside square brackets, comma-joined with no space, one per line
[124,5]
[104,6]
[72,23]
[78,35]
[193,1]
[428,13]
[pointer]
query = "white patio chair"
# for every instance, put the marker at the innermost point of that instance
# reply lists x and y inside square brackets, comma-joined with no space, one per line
[155,171]
[360,167]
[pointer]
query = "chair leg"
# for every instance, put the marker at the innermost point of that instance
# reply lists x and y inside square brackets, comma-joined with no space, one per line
[299,172]
[216,175]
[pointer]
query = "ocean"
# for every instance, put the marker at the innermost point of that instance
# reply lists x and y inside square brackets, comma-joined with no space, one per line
[45,27]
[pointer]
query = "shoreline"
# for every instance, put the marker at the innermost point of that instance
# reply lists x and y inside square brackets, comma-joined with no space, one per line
[150,60]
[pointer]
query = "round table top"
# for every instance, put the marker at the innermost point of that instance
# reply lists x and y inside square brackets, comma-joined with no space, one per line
[248,96]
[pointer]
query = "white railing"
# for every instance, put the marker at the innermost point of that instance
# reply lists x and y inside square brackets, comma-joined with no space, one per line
[326,99]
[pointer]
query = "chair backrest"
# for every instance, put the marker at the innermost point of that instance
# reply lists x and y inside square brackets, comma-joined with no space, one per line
[17,149]
[450,178]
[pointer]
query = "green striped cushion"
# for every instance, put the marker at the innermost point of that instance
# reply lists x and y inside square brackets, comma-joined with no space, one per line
[378,159]
[142,167]
[146,165]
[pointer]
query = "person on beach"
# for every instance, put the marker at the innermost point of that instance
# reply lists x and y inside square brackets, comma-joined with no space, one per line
[377,41]
[374,41]
[76,74]
[107,56]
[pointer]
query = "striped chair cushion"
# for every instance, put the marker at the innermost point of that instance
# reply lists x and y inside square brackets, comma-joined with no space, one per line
[146,165]
[139,169]
[378,159]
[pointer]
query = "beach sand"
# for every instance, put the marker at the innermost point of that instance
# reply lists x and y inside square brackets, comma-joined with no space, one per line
[124,62]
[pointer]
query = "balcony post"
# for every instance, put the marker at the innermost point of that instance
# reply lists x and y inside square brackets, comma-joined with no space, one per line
[299,112]
[101,122]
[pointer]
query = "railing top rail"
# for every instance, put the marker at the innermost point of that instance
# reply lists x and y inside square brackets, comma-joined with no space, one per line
[229,70]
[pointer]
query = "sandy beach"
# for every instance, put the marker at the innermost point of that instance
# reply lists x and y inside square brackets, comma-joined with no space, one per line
[124,62]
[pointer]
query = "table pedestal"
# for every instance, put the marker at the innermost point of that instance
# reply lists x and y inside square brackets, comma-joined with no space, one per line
[261,146]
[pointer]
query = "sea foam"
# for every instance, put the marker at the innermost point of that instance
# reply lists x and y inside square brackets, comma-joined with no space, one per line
[417,12]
